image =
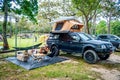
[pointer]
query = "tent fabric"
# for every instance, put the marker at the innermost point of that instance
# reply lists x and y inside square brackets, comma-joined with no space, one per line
[32,64]
[61,19]
[68,26]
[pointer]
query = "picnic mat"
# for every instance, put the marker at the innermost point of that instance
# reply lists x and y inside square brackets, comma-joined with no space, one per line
[32,64]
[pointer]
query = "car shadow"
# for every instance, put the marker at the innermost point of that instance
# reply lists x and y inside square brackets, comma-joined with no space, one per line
[72,56]
[117,50]
[110,61]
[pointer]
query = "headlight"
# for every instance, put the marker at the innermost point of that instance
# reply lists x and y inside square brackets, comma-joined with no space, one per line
[103,46]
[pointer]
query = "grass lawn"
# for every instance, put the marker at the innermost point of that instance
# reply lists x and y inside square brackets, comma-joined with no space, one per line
[21,42]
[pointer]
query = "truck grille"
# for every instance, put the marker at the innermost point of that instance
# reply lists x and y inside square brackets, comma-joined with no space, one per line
[108,45]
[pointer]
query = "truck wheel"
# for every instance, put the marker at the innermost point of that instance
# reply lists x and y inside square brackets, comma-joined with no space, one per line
[54,51]
[104,57]
[90,56]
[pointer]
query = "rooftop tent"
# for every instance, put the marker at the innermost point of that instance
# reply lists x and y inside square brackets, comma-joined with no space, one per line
[67,24]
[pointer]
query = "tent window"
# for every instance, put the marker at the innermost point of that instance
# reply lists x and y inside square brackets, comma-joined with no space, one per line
[59,26]
[75,27]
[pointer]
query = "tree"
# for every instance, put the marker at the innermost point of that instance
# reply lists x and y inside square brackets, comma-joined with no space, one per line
[5,8]
[66,8]
[27,8]
[115,29]
[109,11]
[87,8]
[101,27]
[48,9]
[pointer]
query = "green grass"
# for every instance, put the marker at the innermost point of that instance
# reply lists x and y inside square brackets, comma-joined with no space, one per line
[21,42]
[5,55]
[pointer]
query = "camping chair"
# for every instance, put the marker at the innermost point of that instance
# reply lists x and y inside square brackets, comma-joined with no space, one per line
[41,54]
[36,55]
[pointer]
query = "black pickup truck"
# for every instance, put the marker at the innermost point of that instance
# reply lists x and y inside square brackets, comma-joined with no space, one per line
[76,42]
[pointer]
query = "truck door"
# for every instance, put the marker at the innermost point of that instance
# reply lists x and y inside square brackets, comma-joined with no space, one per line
[75,44]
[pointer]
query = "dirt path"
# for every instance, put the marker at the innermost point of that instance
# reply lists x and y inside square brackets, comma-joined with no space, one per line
[113,59]
[108,74]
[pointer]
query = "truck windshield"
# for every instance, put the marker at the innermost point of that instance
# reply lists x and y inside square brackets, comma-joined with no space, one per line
[85,37]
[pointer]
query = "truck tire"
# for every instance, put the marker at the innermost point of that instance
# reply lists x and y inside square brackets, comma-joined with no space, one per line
[104,57]
[90,56]
[54,51]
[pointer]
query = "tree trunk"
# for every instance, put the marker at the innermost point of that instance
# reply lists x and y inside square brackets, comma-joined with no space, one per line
[10,26]
[87,25]
[109,20]
[94,25]
[5,42]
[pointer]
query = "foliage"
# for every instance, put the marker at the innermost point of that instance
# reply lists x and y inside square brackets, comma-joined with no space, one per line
[23,25]
[2,9]
[67,9]
[101,28]
[48,10]
[44,29]
[115,25]
[88,9]
[28,8]
[10,27]
[109,11]
[0,27]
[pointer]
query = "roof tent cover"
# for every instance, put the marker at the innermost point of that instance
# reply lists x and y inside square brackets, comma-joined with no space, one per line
[67,24]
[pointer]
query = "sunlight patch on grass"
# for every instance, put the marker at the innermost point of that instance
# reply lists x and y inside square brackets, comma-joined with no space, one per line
[21,42]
